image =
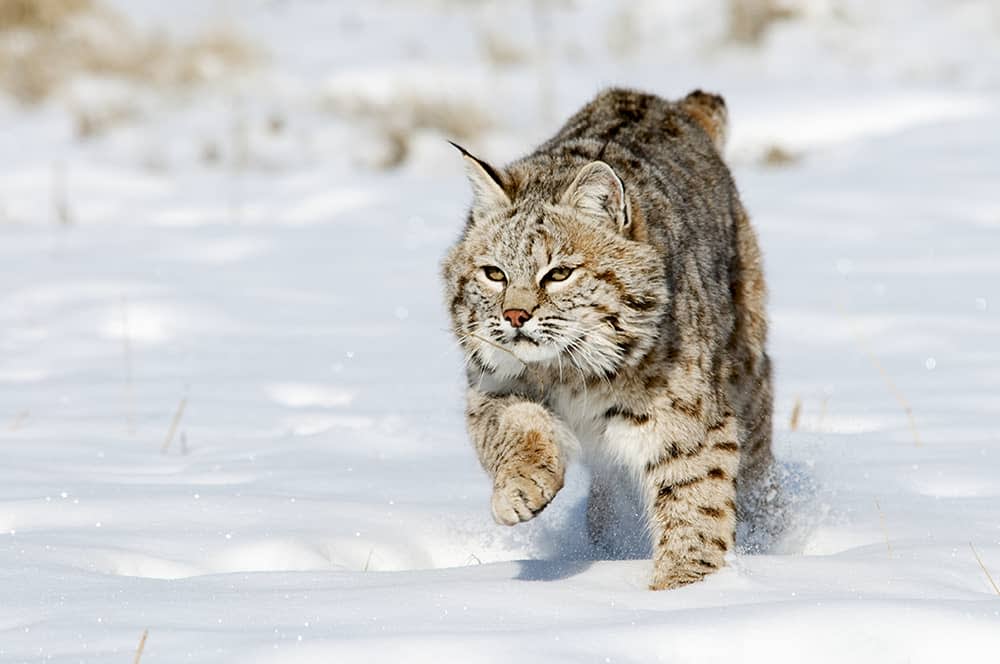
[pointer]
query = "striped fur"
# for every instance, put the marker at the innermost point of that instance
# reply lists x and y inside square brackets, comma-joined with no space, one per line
[624,239]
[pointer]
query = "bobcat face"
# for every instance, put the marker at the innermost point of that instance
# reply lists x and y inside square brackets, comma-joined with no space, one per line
[554,283]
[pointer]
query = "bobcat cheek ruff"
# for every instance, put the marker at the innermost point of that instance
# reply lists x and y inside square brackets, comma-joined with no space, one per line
[608,292]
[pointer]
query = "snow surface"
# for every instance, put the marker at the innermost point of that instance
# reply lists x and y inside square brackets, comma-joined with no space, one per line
[318,500]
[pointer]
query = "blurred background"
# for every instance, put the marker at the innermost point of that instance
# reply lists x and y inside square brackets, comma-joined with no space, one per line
[223,347]
[276,86]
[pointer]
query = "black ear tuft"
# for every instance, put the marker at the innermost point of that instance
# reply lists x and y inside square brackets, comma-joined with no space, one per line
[487,168]
[487,183]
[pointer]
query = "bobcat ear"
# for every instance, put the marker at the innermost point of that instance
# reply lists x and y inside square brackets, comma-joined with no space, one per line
[597,191]
[487,186]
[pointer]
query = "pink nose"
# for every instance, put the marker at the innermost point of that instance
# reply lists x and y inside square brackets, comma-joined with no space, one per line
[517,317]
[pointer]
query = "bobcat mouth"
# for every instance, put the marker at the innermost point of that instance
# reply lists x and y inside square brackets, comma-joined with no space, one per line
[510,351]
[520,336]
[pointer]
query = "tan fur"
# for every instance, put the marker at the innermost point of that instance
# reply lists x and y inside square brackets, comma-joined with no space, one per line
[649,357]
[709,111]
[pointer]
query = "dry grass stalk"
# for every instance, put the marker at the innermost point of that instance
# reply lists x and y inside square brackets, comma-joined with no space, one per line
[985,571]
[793,422]
[898,395]
[395,149]
[499,347]
[141,647]
[18,420]
[749,20]
[173,425]
[127,355]
[891,385]
[60,195]
[885,530]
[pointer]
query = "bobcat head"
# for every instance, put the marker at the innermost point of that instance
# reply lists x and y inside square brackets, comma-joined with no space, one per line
[551,271]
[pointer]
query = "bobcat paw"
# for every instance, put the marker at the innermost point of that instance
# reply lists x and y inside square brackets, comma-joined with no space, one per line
[523,492]
[680,574]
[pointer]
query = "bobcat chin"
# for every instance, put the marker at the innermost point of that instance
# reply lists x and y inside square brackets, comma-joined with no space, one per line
[608,292]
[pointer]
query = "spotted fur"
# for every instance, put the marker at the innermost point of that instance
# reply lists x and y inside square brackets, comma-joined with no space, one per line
[649,358]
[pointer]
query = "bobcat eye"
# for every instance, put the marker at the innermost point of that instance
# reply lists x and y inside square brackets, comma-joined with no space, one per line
[558,274]
[493,273]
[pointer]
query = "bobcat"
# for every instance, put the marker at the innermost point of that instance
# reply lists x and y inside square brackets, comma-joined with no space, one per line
[608,292]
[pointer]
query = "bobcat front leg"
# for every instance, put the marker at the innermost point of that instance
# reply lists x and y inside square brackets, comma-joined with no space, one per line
[518,442]
[688,473]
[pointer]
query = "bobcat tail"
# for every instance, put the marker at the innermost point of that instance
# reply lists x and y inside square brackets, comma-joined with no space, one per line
[709,111]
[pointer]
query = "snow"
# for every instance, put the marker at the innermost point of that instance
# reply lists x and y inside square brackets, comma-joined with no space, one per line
[319,501]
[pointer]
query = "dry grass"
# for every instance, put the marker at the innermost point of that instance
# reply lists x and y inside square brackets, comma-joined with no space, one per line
[396,119]
[889,383]
[45,44]
[455,117]
[623,34]
[749,20]
[499,347]
[173,426]
[501,50]
[985,571]
[885,530]
[140,647]
[793,421]
[39,14]
[127,357]
[60,195]
[395,148]
[904,404]
[94,121]
[408,109]
[18,420]
[777,156]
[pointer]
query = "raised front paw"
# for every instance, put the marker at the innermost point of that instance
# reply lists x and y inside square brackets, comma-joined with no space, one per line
[521,491]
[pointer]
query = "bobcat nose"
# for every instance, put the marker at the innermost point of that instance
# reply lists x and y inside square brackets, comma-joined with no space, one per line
[517,317]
